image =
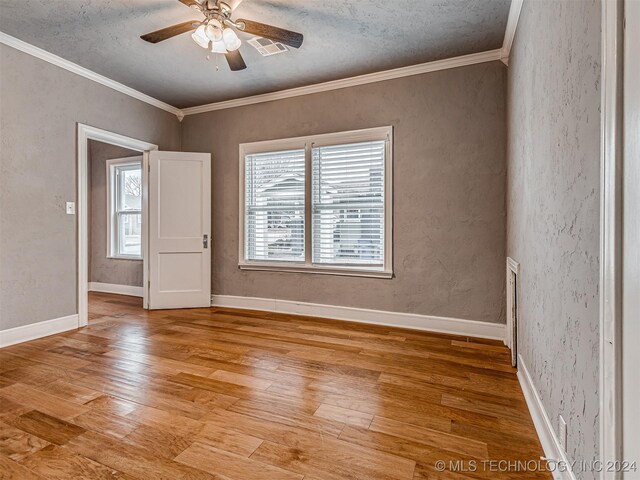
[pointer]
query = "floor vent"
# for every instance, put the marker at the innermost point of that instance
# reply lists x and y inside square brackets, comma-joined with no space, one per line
[267,47]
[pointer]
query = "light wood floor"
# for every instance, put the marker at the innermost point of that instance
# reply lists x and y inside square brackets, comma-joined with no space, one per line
[229,394]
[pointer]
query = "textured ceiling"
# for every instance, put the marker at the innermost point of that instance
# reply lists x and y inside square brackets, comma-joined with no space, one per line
[342,38]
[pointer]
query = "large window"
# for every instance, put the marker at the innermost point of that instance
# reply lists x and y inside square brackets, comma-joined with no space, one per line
[319,204]
[124,200]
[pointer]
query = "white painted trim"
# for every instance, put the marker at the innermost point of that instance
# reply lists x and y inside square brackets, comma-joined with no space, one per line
[455,326]
[146,284]
[629,327]
[461,61]
[464,60]
[550,443]
[318,269]
[117,289]
[86,133]
[86,73]
[513,267]
[510,31]
[308,143]
[112,224]
[33,331]
[610,239]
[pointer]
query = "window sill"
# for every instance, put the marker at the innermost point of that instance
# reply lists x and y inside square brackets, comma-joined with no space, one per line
[342,271]
[113,257]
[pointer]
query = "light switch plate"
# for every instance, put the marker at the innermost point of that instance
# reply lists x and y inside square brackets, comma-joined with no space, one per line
[71,208]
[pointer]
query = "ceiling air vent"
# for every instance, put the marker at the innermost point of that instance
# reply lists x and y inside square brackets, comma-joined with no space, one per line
[267,47]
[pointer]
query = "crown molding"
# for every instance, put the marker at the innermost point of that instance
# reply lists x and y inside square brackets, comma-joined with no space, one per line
[461,61]
[510,31]
[85,72]
[421,68]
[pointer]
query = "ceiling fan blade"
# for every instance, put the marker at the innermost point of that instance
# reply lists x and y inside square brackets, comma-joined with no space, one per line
[293,39]
[191,3]
[172,31]
[233,4]
[235,61]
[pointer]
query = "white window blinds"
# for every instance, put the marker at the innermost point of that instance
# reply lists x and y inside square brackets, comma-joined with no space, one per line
[348,204]
[275,206]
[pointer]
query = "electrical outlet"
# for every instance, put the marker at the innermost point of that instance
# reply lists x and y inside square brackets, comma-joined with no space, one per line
[562,432]
[71,208]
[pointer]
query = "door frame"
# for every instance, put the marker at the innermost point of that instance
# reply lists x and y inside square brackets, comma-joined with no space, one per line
[629,418]
[611,228]
[84,134]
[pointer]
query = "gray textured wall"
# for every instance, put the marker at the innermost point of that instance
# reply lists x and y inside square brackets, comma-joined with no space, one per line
[39,107]
[553,208]
[449,190]
[102,269]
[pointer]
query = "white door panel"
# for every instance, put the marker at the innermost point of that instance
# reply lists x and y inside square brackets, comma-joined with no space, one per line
[179,223]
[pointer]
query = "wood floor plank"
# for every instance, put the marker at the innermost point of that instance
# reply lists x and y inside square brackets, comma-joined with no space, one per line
[12,470]
[337,458]
[105,422]
[161,442]
[345,415]
[32,353]
[68,391]
[164,420]
[211,459]
[58,463]
[227,394]
[17,444]
[44,402]
[228,440]
[126,458]
[46,427]
[239,379]
[465,446]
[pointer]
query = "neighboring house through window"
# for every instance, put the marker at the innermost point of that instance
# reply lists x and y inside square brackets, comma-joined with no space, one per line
[319,204]
[124,201]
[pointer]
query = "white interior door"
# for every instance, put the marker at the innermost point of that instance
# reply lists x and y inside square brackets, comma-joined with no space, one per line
[179,230]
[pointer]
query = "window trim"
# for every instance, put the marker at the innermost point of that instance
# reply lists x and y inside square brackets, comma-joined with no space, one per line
[307,143]
[112,241]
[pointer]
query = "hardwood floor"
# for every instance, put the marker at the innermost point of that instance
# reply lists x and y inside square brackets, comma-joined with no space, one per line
[230,394]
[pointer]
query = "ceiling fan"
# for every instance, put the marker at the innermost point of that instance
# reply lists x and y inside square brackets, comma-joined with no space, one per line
[217,31]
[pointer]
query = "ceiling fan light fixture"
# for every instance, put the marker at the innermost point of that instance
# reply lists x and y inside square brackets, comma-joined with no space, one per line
[230,39]
[213,30]
[200,37]
[218,47]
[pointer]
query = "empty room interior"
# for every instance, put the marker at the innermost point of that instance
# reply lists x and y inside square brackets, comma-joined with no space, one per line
[319,240]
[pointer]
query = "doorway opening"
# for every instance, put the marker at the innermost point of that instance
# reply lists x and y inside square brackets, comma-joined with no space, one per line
[513,269]
[112,221]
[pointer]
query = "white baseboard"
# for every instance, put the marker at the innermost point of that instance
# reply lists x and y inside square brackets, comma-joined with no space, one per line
[550,443]
[11,336]
[429,323]
[113,288]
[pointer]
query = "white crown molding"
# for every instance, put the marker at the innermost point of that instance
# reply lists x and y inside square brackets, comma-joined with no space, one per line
[455,326]
[553,450]
[33,331]
[510,31]
[435,66]
[461,61]
[117,289]
[86,73]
